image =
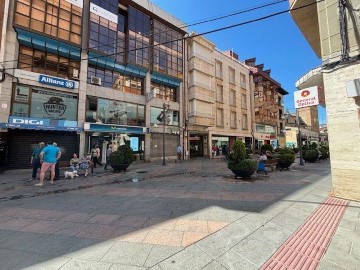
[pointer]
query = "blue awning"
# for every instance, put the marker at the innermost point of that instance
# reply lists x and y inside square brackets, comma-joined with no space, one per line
[109,63]
[37,127]
[46,44]
[165,80]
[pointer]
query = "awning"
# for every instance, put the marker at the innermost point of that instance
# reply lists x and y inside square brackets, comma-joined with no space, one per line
[165,80]
[39,127]
[106,128]
[46,44]
[109,63]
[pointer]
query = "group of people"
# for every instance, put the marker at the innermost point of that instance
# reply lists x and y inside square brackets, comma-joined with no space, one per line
[47,156]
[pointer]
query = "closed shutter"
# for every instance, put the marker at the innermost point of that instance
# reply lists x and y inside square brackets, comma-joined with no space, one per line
[22,143]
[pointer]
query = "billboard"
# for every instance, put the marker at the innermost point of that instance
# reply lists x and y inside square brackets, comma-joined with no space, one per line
[306,97]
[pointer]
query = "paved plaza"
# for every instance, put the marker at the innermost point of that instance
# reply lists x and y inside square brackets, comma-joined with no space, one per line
[189,215]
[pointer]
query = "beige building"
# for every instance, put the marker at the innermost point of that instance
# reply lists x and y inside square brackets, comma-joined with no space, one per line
[219,94]
[268,107]
[332,30]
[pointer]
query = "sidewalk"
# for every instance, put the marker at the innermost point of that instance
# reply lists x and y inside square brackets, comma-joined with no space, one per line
[190,215]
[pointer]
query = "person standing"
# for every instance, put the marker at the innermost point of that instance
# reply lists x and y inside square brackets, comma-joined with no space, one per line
[95,155]
[108,155]
[48,158]
[179,152]
[261,166]
[57,168]
[35,159]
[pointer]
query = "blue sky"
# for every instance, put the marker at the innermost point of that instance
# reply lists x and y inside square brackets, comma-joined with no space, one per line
[276,42]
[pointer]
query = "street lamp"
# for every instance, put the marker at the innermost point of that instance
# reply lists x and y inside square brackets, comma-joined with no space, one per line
[287,115]
[163,118]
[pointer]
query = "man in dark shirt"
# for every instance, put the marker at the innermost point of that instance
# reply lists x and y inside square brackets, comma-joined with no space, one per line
[35,159]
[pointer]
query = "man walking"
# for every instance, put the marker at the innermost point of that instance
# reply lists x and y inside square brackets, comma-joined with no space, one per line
[95,155]
[35,159]
[108,155]
[48,158]
[179,152]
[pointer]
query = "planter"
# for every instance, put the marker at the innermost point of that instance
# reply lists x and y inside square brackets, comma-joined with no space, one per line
[283,165]
[311,160]
[119,167]
[242,173]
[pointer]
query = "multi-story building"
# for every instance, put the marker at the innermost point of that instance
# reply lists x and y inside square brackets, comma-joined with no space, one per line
[219,98]
[268,106]
[85,72]
[332,30]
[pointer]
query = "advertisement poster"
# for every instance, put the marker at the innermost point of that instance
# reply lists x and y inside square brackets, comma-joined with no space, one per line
[134,143]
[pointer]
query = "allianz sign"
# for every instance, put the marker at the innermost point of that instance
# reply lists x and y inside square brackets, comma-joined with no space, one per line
[56,82]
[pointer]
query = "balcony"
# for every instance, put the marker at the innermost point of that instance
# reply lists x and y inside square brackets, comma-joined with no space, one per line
[308,22]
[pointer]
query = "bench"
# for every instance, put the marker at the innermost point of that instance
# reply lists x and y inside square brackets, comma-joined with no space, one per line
[271,163]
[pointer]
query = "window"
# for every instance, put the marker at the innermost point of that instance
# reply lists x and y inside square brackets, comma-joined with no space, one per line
[232,97]
[114,112]
[42,103]
[164,92]
[243,80]
[46,63]
[220,117]
[168,49]
[172,116]
[243,101]
[245,121]
[219,93]
[58,18]
[218,69]
[115,80]
[231,75]
[109,5]
[232,119]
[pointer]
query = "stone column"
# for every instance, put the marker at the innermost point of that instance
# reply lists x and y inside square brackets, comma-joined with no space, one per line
[147,89]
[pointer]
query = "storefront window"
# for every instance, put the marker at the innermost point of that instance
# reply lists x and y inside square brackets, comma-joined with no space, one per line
[59,18]
[172,116]
[106,111]
[47,63]
[44,103]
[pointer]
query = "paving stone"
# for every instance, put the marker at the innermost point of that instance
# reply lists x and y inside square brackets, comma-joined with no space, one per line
[273,233]
[10,258]
[117,266]
[92,252]
[22,240]
[159,253]
[327,265]
[190,258]
[214,265]
[231,260]
[42,262]
[128,253]
[85,264]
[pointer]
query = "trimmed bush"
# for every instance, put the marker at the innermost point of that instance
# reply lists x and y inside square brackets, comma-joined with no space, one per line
[311,155]
[123,155]
[266,147]
[238,160]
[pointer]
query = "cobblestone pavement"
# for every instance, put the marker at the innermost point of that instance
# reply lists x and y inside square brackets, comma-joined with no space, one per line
[189,215]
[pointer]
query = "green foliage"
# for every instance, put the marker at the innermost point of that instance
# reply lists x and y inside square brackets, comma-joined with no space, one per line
[277,150]
[286,158]
[248,152]
[311,155]
[238,158]
[324,152]
[123,155]
[295,149]
[287,150]
[266,147]
[313,145]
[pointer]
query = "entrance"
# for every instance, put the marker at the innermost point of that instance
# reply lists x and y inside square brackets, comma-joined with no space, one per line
[196,146]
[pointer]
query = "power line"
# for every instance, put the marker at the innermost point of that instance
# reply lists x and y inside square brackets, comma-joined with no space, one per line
[205,33]
[181,26]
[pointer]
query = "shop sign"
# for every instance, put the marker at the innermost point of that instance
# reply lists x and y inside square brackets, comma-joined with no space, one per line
[113,128]
[56,82]
[21,94]
[41,124]
[306,98]
[79,3]
[103,13]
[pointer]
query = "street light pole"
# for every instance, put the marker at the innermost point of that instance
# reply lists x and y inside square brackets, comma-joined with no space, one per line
[164,124]
[299,140]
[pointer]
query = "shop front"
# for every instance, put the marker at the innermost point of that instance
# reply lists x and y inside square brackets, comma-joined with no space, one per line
[198,144]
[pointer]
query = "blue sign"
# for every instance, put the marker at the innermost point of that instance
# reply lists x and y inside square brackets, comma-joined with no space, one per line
[115,129]
[134,143]
[56,82]
[40,124]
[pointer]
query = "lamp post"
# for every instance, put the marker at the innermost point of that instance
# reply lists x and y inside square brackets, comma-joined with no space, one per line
[165,108]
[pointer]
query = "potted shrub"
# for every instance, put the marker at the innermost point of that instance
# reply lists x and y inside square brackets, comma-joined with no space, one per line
[266,147]
[122,158]
[324,150]
[311,155]
[285,158]
[238,163]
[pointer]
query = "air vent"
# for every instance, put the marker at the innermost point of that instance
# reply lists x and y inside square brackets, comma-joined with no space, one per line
[95,80]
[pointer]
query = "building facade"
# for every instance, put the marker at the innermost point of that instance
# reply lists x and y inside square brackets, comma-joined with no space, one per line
[219,95]
[86,72]
[268,106]
[332,30]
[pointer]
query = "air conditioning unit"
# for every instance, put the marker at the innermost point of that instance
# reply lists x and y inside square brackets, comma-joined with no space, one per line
[95,80]
[75,74]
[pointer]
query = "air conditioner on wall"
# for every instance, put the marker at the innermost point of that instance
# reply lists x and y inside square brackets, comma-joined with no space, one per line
[95,80]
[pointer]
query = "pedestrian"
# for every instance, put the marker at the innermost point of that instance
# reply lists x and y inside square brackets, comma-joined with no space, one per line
[179,152]
[85,163]
[261,165]
[108,155]
[48,157]
[35,159]
[57,167]
[214,150]
[95,155]
[74,162]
